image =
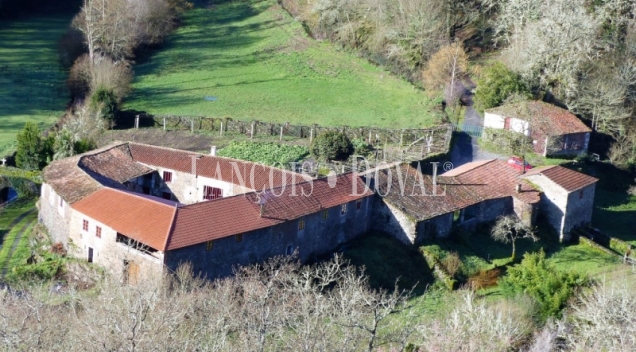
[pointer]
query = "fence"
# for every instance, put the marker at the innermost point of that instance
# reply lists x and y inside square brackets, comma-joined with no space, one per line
[471,130]
[408,144]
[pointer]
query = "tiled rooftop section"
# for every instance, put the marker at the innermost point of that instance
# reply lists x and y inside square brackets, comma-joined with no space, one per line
[570,180]
[115,163]
[548,118]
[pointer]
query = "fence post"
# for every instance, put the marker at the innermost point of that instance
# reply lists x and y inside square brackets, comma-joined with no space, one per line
[137,122]
[221,129]
[369,136]
[311,135]
[252,131]
[401,138]
[192,126]
[281,133]
[164,123]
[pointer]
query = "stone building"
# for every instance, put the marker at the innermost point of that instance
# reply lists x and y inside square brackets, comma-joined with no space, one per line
[414,206]
[567,197]
[140,210]
[553,131]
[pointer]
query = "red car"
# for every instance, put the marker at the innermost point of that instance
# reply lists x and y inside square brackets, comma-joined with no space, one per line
[517,163]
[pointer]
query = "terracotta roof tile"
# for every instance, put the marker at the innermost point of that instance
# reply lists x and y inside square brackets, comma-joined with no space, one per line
[115,163]
[570,180]
[205,221]
[549,119]
[143,218]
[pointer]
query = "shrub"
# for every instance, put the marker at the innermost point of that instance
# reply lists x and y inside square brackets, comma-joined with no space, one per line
[104,101]
[361,147]
[541,281]
[484,279]
[451,263]
[33,150]
[70,47]
[331,145]
[496,84]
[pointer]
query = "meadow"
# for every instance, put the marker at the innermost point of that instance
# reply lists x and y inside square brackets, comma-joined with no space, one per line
[250,60]
[32,83]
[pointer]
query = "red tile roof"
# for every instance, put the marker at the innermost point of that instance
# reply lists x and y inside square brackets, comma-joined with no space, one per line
[142,218]
[251,175]
[201,222]
[547,118]
[569,180]
[419,202]
[115,163]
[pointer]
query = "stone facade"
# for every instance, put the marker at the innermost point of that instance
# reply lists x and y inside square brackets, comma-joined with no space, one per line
[308,237]
[564,210]
[116,257]
[55,214]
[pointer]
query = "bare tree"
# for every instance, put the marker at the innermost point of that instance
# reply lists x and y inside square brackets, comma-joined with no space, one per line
[445,70]
[509,229]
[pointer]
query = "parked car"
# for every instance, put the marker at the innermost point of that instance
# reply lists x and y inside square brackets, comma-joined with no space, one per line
[517,163]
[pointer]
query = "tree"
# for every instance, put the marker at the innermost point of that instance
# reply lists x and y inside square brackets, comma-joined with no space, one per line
[496,83]
[509,229]
[445,70]
[331,145]
[33,150]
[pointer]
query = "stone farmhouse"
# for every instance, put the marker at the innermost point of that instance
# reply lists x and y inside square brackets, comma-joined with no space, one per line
[139,210]
[553,131]
[480,192]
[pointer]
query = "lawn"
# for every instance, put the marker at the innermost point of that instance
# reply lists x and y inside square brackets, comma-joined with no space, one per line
[252,61]
[32,83]
[9,230]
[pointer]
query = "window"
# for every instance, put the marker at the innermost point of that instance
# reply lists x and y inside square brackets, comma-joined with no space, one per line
[359,204]
[343,209]
[325,214]
[166,195]
[289,250]
[85,225]
[581,194]
[280,235]
[167,176]
[239,237]
[209,245]
[98,232]
[61,202]
[301,224]
[210,193]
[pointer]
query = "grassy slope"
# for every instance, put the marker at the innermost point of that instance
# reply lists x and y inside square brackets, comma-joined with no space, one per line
[31,80]
[261,65]
[8,236]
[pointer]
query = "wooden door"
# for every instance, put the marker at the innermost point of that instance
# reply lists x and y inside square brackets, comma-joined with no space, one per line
[133,273]
[90,254]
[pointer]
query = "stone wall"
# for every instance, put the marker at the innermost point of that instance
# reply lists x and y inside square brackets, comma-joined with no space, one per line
[394,221]
[527,213]
[55,214]
[319,236]
[107,252]
[554,202]
[580,205]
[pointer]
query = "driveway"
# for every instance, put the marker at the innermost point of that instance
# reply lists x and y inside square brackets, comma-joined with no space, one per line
[465,148]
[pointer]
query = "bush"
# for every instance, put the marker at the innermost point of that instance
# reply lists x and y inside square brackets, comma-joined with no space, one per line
[104,101]
[361,147]
[33,150]
[331,145]
[542,282]
[496,84]
[484,279]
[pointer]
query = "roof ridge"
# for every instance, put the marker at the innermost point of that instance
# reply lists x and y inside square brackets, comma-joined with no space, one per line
[165,148]
[134,194]
[171,229]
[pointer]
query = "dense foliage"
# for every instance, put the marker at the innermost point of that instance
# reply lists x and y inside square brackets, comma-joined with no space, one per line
[495,84]
[331,145]
[543,282]
[272,154]
[33,150]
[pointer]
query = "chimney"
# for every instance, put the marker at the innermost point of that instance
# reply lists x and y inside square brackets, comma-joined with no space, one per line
[434,175]
[523,163]
[518,188]
[213,150]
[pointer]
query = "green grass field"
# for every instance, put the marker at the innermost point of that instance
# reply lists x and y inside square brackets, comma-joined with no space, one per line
[261,65]
[10,227]
[31,80]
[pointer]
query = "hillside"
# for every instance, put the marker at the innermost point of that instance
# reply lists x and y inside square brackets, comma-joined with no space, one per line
[31,80]
[259,64]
